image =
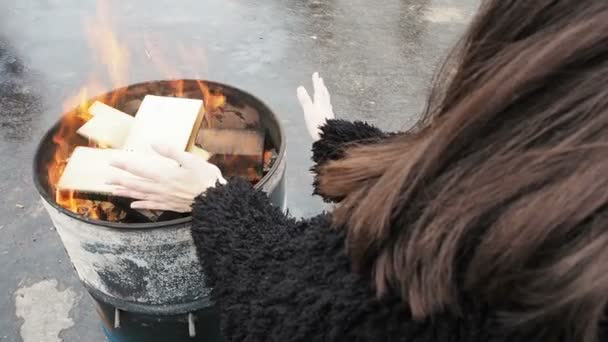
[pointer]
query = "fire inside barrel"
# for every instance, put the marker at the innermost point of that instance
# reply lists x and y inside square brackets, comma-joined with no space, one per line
[231,133]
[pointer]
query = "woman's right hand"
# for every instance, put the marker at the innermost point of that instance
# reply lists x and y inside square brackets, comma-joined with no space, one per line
[167,186]
[318,109]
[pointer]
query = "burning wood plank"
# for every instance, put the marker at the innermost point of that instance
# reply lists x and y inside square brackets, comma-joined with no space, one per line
[232,141]
[88,169]
[237,152]
[109,127]
[233,117]
[170,120]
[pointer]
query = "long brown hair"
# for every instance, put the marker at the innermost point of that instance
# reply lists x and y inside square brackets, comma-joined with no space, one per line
[501,192]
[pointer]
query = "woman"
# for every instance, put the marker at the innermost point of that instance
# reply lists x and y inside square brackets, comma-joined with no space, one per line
[485,223]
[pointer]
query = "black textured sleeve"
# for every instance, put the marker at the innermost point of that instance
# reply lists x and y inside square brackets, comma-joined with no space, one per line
[336,134]
[234,226]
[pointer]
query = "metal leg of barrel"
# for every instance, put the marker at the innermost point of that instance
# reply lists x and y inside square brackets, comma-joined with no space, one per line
[123,326]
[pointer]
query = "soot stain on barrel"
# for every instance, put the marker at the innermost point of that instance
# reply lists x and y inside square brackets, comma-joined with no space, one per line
[98,248]
[126,279]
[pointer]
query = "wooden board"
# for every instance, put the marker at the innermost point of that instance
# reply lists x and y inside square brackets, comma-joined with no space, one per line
[232,141]
[167,120]
[234,117]
[104,131]
[89,169]
[109,127]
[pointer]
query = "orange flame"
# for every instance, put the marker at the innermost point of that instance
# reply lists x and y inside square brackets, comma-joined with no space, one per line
[213,101]
[108,49]
[192,56]
[65,141]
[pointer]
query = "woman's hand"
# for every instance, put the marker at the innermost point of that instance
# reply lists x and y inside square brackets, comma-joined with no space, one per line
[318,109]
[168,186]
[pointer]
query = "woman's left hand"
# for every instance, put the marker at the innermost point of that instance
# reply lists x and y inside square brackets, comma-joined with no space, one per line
[318,109]
[166,187]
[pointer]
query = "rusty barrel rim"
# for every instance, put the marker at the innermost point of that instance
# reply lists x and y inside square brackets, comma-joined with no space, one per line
[277,169]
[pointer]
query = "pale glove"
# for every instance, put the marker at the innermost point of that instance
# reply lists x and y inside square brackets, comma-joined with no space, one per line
[165,186]
[318,109]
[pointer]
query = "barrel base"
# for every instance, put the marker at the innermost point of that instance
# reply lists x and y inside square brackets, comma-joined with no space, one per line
[122,326]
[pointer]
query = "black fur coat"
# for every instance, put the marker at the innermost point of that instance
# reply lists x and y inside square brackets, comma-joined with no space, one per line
[280,279]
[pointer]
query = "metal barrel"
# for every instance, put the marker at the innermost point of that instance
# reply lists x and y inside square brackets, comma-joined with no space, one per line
[145,279]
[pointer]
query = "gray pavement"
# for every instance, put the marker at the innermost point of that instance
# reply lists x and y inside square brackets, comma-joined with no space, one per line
[377,57]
